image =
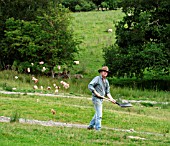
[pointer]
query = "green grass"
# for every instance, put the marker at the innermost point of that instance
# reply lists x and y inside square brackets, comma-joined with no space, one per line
[142,117]
[78,87]
[80,110]
[91,28]
[19,135]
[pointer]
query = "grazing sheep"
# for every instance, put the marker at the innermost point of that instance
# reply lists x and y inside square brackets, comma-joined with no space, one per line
[65,85]
[59,67]
[56,89]
[35,87]
[28,70]
[48,88]
[35,80]
[109,30]
[16,77]
[78,76]
[53,111]
[76,62]
[43,69]
[42,62]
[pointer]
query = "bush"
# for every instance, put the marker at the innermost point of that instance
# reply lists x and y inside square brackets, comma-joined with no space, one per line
[150,84]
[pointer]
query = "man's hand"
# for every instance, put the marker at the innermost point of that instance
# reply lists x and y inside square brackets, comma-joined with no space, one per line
[111,98]
[113,101]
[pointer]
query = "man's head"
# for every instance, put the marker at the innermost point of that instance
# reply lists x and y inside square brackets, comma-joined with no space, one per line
[104,71]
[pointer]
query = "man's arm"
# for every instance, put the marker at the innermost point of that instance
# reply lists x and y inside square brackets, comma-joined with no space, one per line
[92,84]
[111,98]
[96,93]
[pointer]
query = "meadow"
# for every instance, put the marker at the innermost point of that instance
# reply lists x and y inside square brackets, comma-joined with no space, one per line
[146,123]
[150,123]
[92,29]
[146,120]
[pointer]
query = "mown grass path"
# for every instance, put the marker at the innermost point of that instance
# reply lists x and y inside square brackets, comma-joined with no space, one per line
[52,123]
[72,96]
[36,125]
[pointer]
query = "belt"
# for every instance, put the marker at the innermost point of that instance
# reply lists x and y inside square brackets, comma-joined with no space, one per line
[99,97]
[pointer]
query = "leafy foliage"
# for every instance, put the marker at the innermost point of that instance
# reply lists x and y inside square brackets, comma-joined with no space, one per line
[79,5]
[60,44]
[89,5]
[142,40]
[47,39]
[111,4]
[26,10]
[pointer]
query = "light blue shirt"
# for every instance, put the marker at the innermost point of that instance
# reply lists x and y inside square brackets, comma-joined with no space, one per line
[103,88]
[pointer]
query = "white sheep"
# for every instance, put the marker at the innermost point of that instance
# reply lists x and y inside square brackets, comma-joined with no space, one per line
[76,62]
[35,87]
[65,85]
[41,62]
[28,69]
[109,30]
[35,80]
[43,69]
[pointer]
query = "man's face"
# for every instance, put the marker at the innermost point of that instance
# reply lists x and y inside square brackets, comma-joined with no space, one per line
[104,74]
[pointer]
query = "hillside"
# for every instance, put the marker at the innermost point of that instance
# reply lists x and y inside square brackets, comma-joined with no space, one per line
[91,28]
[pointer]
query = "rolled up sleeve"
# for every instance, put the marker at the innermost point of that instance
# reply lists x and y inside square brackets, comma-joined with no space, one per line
[92,84]
[107,87]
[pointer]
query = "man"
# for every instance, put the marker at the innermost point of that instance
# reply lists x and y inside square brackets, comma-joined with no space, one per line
[99,87]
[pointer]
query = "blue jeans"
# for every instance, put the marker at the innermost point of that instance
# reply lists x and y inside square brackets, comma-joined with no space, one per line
[97,118]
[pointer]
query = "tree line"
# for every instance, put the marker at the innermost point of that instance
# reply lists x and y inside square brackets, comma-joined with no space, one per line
[38,30]
[89,5]
[142,40]
[34,31]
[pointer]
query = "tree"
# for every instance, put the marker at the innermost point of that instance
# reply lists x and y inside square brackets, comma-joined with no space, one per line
[142,39]
[47,39]
[77,5]
[18,9]
[60,44]
[112,4]
[97,2]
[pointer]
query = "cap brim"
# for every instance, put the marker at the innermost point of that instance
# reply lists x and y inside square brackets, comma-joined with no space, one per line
[103,70]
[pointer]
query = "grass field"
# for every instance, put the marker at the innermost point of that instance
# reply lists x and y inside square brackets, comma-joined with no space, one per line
[91,28]
[147,120]
[19,135]
[80,110]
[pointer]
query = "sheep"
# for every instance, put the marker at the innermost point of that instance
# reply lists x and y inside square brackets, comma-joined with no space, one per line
[35,87]
[43,69]
[78,76]
[16,77]
[53,111]
[109,30]
[41,62]
[57,89]
[76,62]
[28,70]
[48,88]
[35,80]
[65,85]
